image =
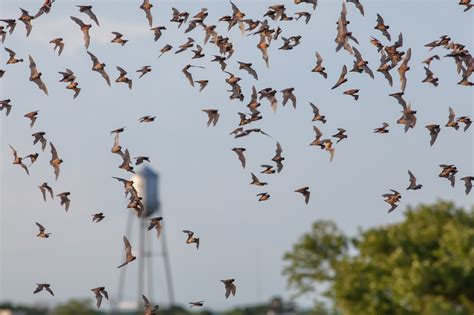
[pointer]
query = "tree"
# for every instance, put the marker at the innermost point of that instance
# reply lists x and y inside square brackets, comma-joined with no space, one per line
[76,307]
[422,265]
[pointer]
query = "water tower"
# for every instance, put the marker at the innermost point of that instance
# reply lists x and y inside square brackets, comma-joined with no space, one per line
[146,182]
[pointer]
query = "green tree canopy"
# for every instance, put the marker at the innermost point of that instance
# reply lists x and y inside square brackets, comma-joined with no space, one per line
[422,265]
[76,307]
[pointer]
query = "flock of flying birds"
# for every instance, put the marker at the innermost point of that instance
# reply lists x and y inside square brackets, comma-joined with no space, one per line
[391,56]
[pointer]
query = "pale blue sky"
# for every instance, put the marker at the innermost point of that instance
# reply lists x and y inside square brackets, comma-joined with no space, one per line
[203,186]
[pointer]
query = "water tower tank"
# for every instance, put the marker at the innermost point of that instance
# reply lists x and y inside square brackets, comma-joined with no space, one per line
[146,182]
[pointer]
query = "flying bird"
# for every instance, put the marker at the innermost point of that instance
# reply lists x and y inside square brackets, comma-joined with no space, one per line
[157,31]
[5,104]
[191,239]
[202,84]
[128,253]
[248,67]
[428,60]
[11,24]
[26,18]
[360,64]
[240,154]
[268,169]
[305,192]
[288,95]
[155,223]
[144,70]
[392,199]
[12,59]
[196,304]
[64,199]
[17,160]
[256,181]
[32,116]
[146,7]
[85,30]
[358,6]
[147,119]
[403,69]
[165,49]
[32,157]
[340,135]
[39,137]
[55,161]
[383,129]
[317,115]
[99,293]
[263,196]
[35,76]
[45,188]
[342,78]
[413,184]
[313,2]
[58,43]
[118,39]
[97,217]
[278,159]
[213,116]
[382,27]
[140,159]
[42,231]
[434,131]
[126,162]
[449,172]
[353,93]
[123,77]
[99,67]
[149,309]
[230,287]
[43,286]
[468,183]
[87,9]
[188,74]
[385,67]
[306,15]
[319,66]
[466,121]
[430,78]
[185,46]
[451,120]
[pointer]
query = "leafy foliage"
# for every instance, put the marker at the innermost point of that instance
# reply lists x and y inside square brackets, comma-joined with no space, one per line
[422,265]
[76,307]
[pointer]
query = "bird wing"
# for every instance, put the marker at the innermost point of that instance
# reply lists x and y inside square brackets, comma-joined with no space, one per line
[54,153]
[122,71]
[33,70]
[10,52]
[128,247]
[278,149]
[41,85]
[452,115]
[319,59]
[92,16]
[41,228]
[105,76]
[78,21]
[146,302]
[190,233]
[87,38]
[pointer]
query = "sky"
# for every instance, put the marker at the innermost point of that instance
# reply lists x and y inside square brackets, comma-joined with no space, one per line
[203,188]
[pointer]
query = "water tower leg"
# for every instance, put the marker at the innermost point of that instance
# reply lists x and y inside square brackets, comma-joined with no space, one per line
[169,277]
[141,261]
